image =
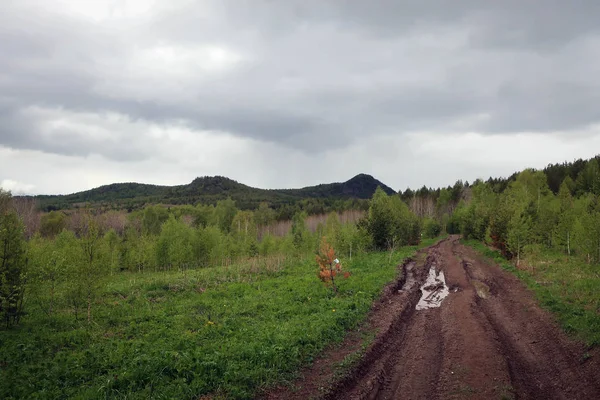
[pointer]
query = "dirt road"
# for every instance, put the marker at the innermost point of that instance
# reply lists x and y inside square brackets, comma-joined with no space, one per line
[488,339]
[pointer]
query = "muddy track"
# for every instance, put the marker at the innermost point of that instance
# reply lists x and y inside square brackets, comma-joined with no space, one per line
[487,340]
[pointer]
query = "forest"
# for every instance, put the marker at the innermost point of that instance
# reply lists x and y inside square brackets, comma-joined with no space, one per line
[533,211]
[186,300]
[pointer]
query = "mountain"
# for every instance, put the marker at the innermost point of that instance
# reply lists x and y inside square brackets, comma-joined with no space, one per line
[362,186]
[209,190]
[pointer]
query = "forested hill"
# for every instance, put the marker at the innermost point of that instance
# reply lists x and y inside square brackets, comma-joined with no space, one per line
[211,189]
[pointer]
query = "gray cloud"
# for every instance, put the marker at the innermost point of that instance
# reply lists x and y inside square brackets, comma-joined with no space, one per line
[292,73]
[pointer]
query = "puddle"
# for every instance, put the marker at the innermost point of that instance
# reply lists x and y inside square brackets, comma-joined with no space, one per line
[434,290]
[410,277]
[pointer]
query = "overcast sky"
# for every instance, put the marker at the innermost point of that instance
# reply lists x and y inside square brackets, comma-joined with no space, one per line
[280,94]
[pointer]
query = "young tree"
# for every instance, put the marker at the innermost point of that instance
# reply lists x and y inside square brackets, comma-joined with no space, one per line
[175,246]
[152,219]
[345,239]
[566,217]
[519,234]
[264,216]
[51,263]
[586,236]
[26,208]
[267,245]
[244,232]
[126,249]
[299,231]
[138,252]
[329,266]
[380,220]
[497,230]
[111,245]
[588,180]
[431,228]
[215,245]
[390,222]
[52,223]
[91,262]
[534,185]
[475,217]
[405,228]
[12,262]
[206,245]
[444,204]
[224,213]
[45,266]
[547,219]
[581,242]
[203,215]
[594,232]
[332,227]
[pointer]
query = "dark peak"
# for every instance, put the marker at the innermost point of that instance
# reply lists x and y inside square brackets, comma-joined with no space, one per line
[214,185]
[363,177]
[363,184]
[220,181]
[212,179]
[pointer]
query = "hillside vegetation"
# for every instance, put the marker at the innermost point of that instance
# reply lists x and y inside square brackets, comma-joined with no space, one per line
[209,190]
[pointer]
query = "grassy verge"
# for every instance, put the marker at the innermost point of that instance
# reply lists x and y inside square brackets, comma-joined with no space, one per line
[220,331]
[569,288]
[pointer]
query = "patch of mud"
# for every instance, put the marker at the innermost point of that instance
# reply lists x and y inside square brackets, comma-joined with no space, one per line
[481,288]
[409,276]
[434,290]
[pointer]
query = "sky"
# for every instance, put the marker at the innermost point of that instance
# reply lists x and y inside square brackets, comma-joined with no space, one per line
[284,94]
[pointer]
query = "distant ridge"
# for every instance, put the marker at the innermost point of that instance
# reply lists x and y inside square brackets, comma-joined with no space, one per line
[209,189]
[362,186]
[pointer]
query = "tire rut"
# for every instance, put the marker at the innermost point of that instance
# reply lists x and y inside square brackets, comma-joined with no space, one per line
[541,361]
[378,377]
[375,377]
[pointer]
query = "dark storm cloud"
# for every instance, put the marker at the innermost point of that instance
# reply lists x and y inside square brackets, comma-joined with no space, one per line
[24,129]
[534,25]
[328,72]
[525,24]
[547,107]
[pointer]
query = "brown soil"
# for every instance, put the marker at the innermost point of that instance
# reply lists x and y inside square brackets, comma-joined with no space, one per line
[488,340]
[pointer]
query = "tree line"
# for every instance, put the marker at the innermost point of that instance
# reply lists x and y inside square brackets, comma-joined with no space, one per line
[529,217]
[555,208]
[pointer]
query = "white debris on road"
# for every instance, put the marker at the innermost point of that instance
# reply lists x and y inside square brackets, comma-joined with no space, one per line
[434,290]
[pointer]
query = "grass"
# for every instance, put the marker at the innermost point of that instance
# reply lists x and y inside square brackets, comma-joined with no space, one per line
[569,288]
[220,331]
